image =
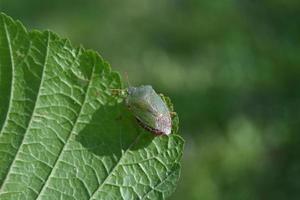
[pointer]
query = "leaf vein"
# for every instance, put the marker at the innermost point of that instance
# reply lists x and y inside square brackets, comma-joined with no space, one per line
[158,184]
[12,78]
[115,167]
[45,184]
[30,121]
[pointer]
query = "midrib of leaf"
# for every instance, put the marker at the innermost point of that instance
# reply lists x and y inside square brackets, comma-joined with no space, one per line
[31,117]
[44,186]
[115,167]
[12,77]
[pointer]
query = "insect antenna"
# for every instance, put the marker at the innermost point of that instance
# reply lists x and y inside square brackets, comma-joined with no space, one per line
[120,91]
[127,80]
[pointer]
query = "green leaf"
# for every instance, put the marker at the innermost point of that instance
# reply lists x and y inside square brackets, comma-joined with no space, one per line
[63,135]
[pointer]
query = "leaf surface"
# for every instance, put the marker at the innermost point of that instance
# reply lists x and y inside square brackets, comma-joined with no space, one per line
[63,135]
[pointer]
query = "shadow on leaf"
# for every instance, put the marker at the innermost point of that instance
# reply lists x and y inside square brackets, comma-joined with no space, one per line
[112,131]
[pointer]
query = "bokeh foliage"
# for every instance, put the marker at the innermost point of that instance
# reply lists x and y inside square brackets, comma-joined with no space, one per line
[231,68]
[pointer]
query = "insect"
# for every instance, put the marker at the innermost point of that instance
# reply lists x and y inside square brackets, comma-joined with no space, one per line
[149,109]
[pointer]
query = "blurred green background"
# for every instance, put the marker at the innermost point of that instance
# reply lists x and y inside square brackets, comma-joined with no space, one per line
[231,67]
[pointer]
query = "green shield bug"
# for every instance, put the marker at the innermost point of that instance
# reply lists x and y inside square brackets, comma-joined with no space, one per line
[151,112]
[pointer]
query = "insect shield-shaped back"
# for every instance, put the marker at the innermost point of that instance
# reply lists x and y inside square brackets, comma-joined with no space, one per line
[149,109]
